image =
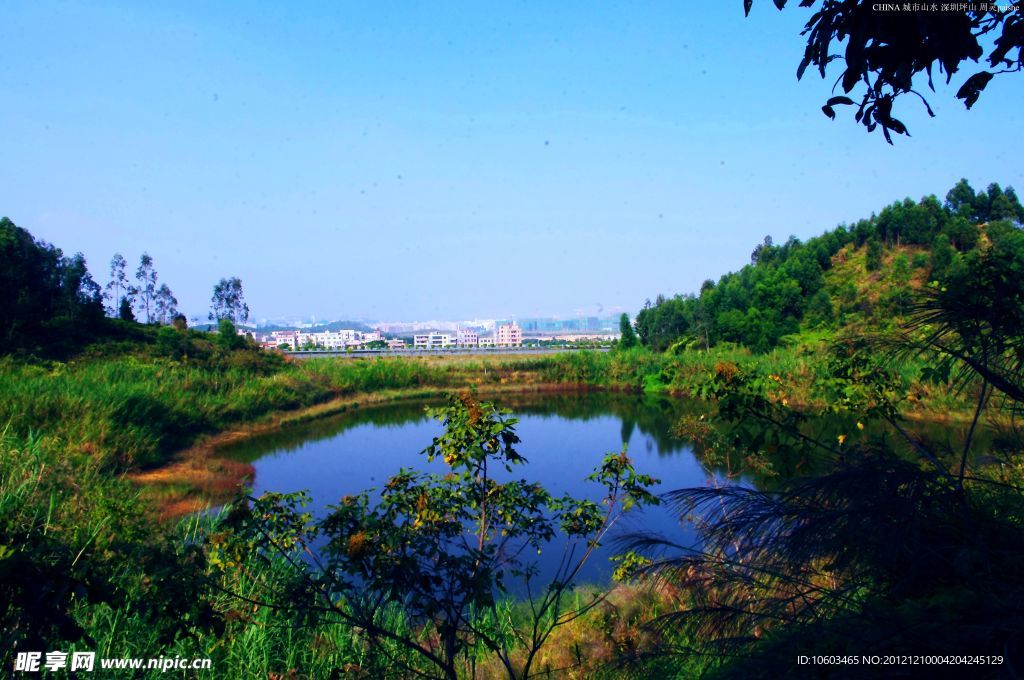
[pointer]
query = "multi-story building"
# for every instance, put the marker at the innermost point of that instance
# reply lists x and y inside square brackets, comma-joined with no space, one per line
[326,339]
[278,338]
[432,341]
[335,339]
[508,335]
[396,343]
[464,338]
[486,342]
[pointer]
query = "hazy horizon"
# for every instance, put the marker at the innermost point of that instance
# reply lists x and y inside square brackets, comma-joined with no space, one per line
[448,161]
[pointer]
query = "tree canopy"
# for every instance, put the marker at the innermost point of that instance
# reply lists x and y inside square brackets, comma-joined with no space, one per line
[783,289]
[41,289]
[891,47]
[228,301]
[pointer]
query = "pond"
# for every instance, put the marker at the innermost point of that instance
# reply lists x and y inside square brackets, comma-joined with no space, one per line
[564,436]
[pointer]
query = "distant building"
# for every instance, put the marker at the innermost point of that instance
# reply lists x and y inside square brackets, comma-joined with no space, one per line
[465,338]
[432,341]
[370,336]
[396,343]
[485,342]
[278,338]
[336,339]
[508,335]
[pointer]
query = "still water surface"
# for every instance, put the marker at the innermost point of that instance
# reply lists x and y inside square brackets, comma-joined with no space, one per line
[564,437]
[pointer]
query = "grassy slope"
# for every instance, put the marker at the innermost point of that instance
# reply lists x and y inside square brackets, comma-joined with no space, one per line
[70,424]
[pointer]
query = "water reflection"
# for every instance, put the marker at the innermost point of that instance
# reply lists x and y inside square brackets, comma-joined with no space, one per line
[564,436]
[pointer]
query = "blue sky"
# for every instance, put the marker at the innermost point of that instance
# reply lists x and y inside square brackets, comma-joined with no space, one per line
[448,160]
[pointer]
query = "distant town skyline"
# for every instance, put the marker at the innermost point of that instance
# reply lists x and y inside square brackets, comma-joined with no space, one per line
[455,323]
[449,160]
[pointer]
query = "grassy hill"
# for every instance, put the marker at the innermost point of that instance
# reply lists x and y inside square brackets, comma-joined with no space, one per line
[859,275]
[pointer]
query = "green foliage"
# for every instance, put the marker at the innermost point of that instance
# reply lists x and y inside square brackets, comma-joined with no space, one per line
[873,261]
[443,548]
[45,297]
[974,316]
[75,543]
[785,288]
[172,343]
[876,554]
[117,290]
[627,337]
[228,338]
[145,291]
[124,310]
[228,301]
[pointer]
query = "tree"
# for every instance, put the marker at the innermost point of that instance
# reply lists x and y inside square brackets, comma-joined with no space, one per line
[962,232]
[960,200]
[124,311]
[165,304]
[873,259]
[118,287]
[984,206]
[442,549]
[627,338]
[40,288]
[762,251]
[146,290]
[228,301]
[887,48]
[942,256]
[228,338]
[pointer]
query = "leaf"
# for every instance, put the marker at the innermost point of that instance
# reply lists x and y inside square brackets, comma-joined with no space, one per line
[780,3]
[971,90]
[747,4]
[829,111]
[839,100]
[803,66]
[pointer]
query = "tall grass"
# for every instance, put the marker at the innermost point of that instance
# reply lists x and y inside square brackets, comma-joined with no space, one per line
[70,528]
[134,410]
[82,569]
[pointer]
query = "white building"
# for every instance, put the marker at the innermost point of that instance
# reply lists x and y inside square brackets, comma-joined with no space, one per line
[432,341]
[486,342]
[278,338]
[508,335]
[396,343]
[327,339]
[335,339]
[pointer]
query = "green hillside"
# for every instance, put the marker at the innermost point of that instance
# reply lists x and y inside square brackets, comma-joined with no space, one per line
[854,275]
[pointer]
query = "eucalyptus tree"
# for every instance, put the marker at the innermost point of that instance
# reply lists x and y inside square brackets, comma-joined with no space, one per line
[145,291]
[228,301]
[165,304]
[118,286]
